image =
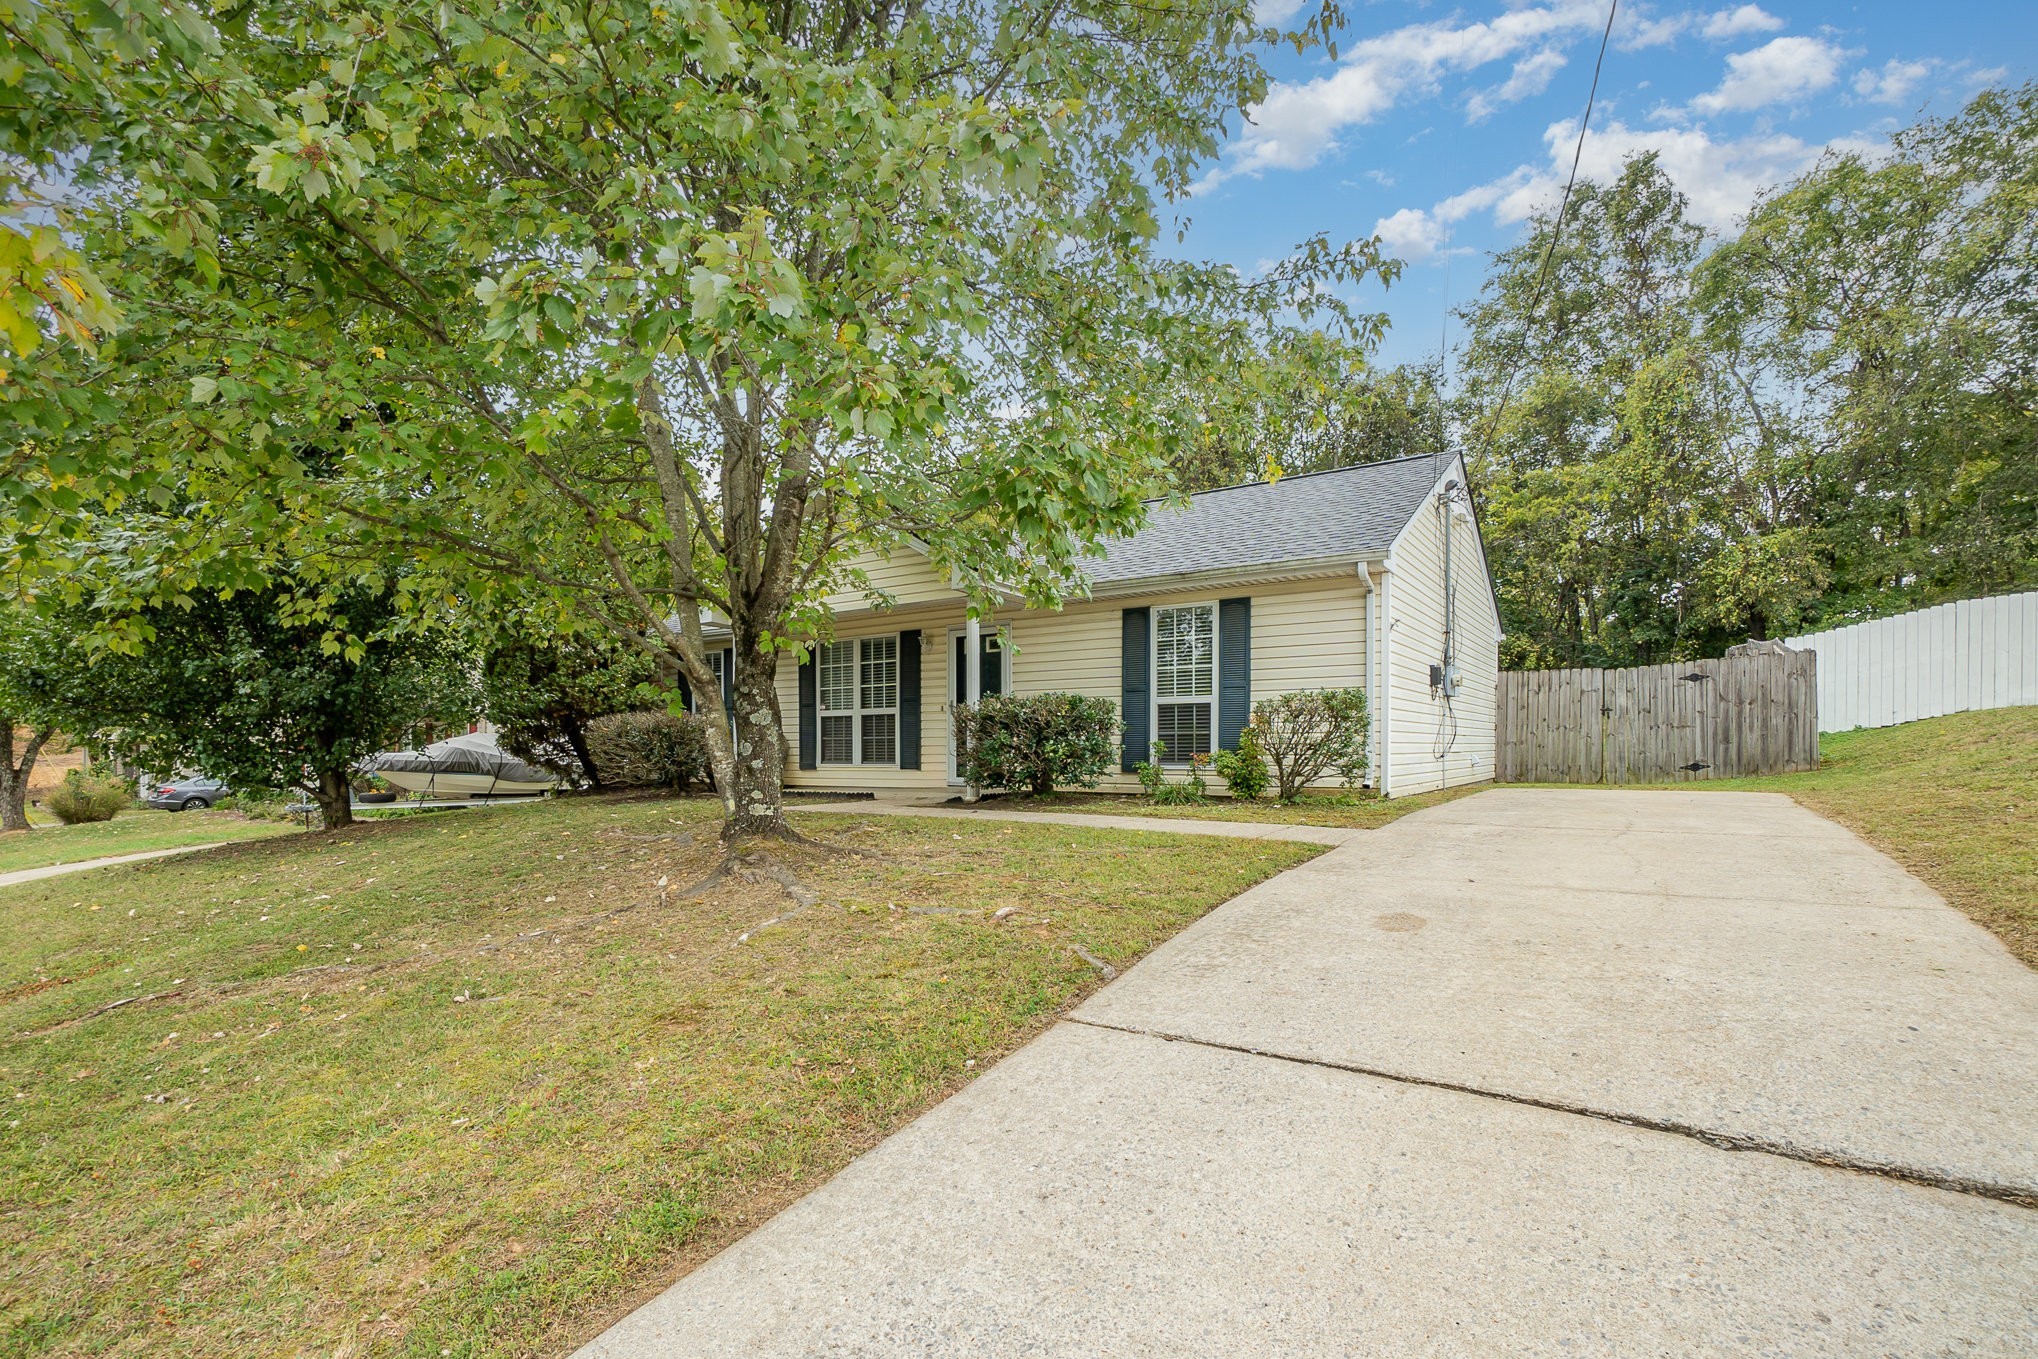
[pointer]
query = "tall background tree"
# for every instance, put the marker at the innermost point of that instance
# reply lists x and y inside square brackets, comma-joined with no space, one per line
[1829,415]
[662,310]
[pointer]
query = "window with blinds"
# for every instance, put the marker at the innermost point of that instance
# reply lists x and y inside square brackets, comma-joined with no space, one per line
[858,689]
[1185,679]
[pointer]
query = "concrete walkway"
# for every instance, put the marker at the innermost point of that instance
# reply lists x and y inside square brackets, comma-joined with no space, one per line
[1168,825]
[1531,1073]
[58,870]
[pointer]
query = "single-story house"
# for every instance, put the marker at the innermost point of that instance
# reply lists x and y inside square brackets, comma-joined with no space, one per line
[1371,576]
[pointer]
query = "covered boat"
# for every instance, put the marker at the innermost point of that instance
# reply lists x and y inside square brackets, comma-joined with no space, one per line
[460,767]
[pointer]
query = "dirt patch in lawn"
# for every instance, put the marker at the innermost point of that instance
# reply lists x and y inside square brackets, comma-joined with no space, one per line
[475,1082]
[1361,811]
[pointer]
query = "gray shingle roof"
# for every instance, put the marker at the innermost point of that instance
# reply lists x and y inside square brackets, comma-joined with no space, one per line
[1350,512]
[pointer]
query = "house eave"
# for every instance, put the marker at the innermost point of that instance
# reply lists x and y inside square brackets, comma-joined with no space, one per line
[1312,568]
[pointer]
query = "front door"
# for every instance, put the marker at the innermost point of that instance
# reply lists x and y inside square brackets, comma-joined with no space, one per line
[991,676]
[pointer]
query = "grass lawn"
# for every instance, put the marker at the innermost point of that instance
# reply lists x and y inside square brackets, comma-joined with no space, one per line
[52,842]
[472,1084]
[1359,810]
[1953,799]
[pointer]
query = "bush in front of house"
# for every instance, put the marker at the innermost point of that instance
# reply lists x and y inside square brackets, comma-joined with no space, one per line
[83,797]
[1308,734]
[1165,792]
[1244,770]
[1036,743]
[651,749]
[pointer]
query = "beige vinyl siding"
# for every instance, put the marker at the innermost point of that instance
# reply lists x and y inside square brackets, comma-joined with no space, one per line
[1306,635]
[905,578]
[1418,721]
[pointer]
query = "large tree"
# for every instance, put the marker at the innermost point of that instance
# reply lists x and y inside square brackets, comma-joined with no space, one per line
[1632,519]
[284,688]
[661,310]
[1886,304]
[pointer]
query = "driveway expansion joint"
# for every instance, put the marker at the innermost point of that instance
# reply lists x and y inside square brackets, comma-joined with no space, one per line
[2021,1196]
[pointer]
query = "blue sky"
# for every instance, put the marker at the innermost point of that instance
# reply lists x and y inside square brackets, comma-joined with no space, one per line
[1441,126]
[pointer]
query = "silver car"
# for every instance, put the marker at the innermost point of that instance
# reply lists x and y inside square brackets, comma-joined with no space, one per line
[193,794]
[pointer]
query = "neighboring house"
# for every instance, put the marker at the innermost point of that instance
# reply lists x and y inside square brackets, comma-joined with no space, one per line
[1317,581]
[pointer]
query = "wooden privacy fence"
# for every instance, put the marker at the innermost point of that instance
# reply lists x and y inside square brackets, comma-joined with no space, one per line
[1754,714]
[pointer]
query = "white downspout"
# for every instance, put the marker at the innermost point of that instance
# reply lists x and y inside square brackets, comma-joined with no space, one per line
[1383,693]
[973,688]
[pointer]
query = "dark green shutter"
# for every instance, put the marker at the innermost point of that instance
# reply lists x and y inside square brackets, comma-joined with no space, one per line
[1135,672]
[810,713]
[729,680]
[1234,669]
[685,692]
[909,699]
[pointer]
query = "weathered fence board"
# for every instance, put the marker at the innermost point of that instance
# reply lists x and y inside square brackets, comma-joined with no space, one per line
[1950,658]
[1659,723]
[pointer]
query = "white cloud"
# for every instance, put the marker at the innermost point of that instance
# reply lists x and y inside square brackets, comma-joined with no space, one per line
[1732,23]
[1894,83]
[1779,71]
[1721,179]
[1410,234]
[1275,11]
[1299,123]
[1531,76]
[1635,28]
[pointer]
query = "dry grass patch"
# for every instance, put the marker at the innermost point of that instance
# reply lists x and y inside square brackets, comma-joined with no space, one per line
[1356,810]
[471,1083]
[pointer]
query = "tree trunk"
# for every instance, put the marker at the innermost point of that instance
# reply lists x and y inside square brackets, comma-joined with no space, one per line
[14,775]
[753,790]
[335,798]
[577,739]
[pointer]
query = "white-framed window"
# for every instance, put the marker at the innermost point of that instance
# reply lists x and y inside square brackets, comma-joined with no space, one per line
[1185,680]
[717,660]
[858,686]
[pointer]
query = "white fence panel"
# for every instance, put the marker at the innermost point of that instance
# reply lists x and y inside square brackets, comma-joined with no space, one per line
[1951,658]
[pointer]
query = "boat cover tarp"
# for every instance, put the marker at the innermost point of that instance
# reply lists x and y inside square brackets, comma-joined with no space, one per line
[476,753]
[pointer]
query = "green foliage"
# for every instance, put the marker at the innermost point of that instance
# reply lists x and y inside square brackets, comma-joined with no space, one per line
[655,749]
[83,797]
[761,287]
[1244,770]
[253,691]
[1831,415]
[1038,742]
[259,804]
[1162,790]
[1310,733]
[543,692]
[1307,401]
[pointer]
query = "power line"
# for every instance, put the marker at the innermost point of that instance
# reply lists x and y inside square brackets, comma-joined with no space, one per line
[1556,232]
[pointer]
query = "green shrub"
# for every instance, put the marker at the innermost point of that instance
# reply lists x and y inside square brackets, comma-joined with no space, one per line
[1037,742]
[1244,770]
[1154,779]
[259,804]
[83,797]
[1305,735]
[654,749]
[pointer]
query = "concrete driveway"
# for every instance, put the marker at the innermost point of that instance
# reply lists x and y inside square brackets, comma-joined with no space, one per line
[1532,1073]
